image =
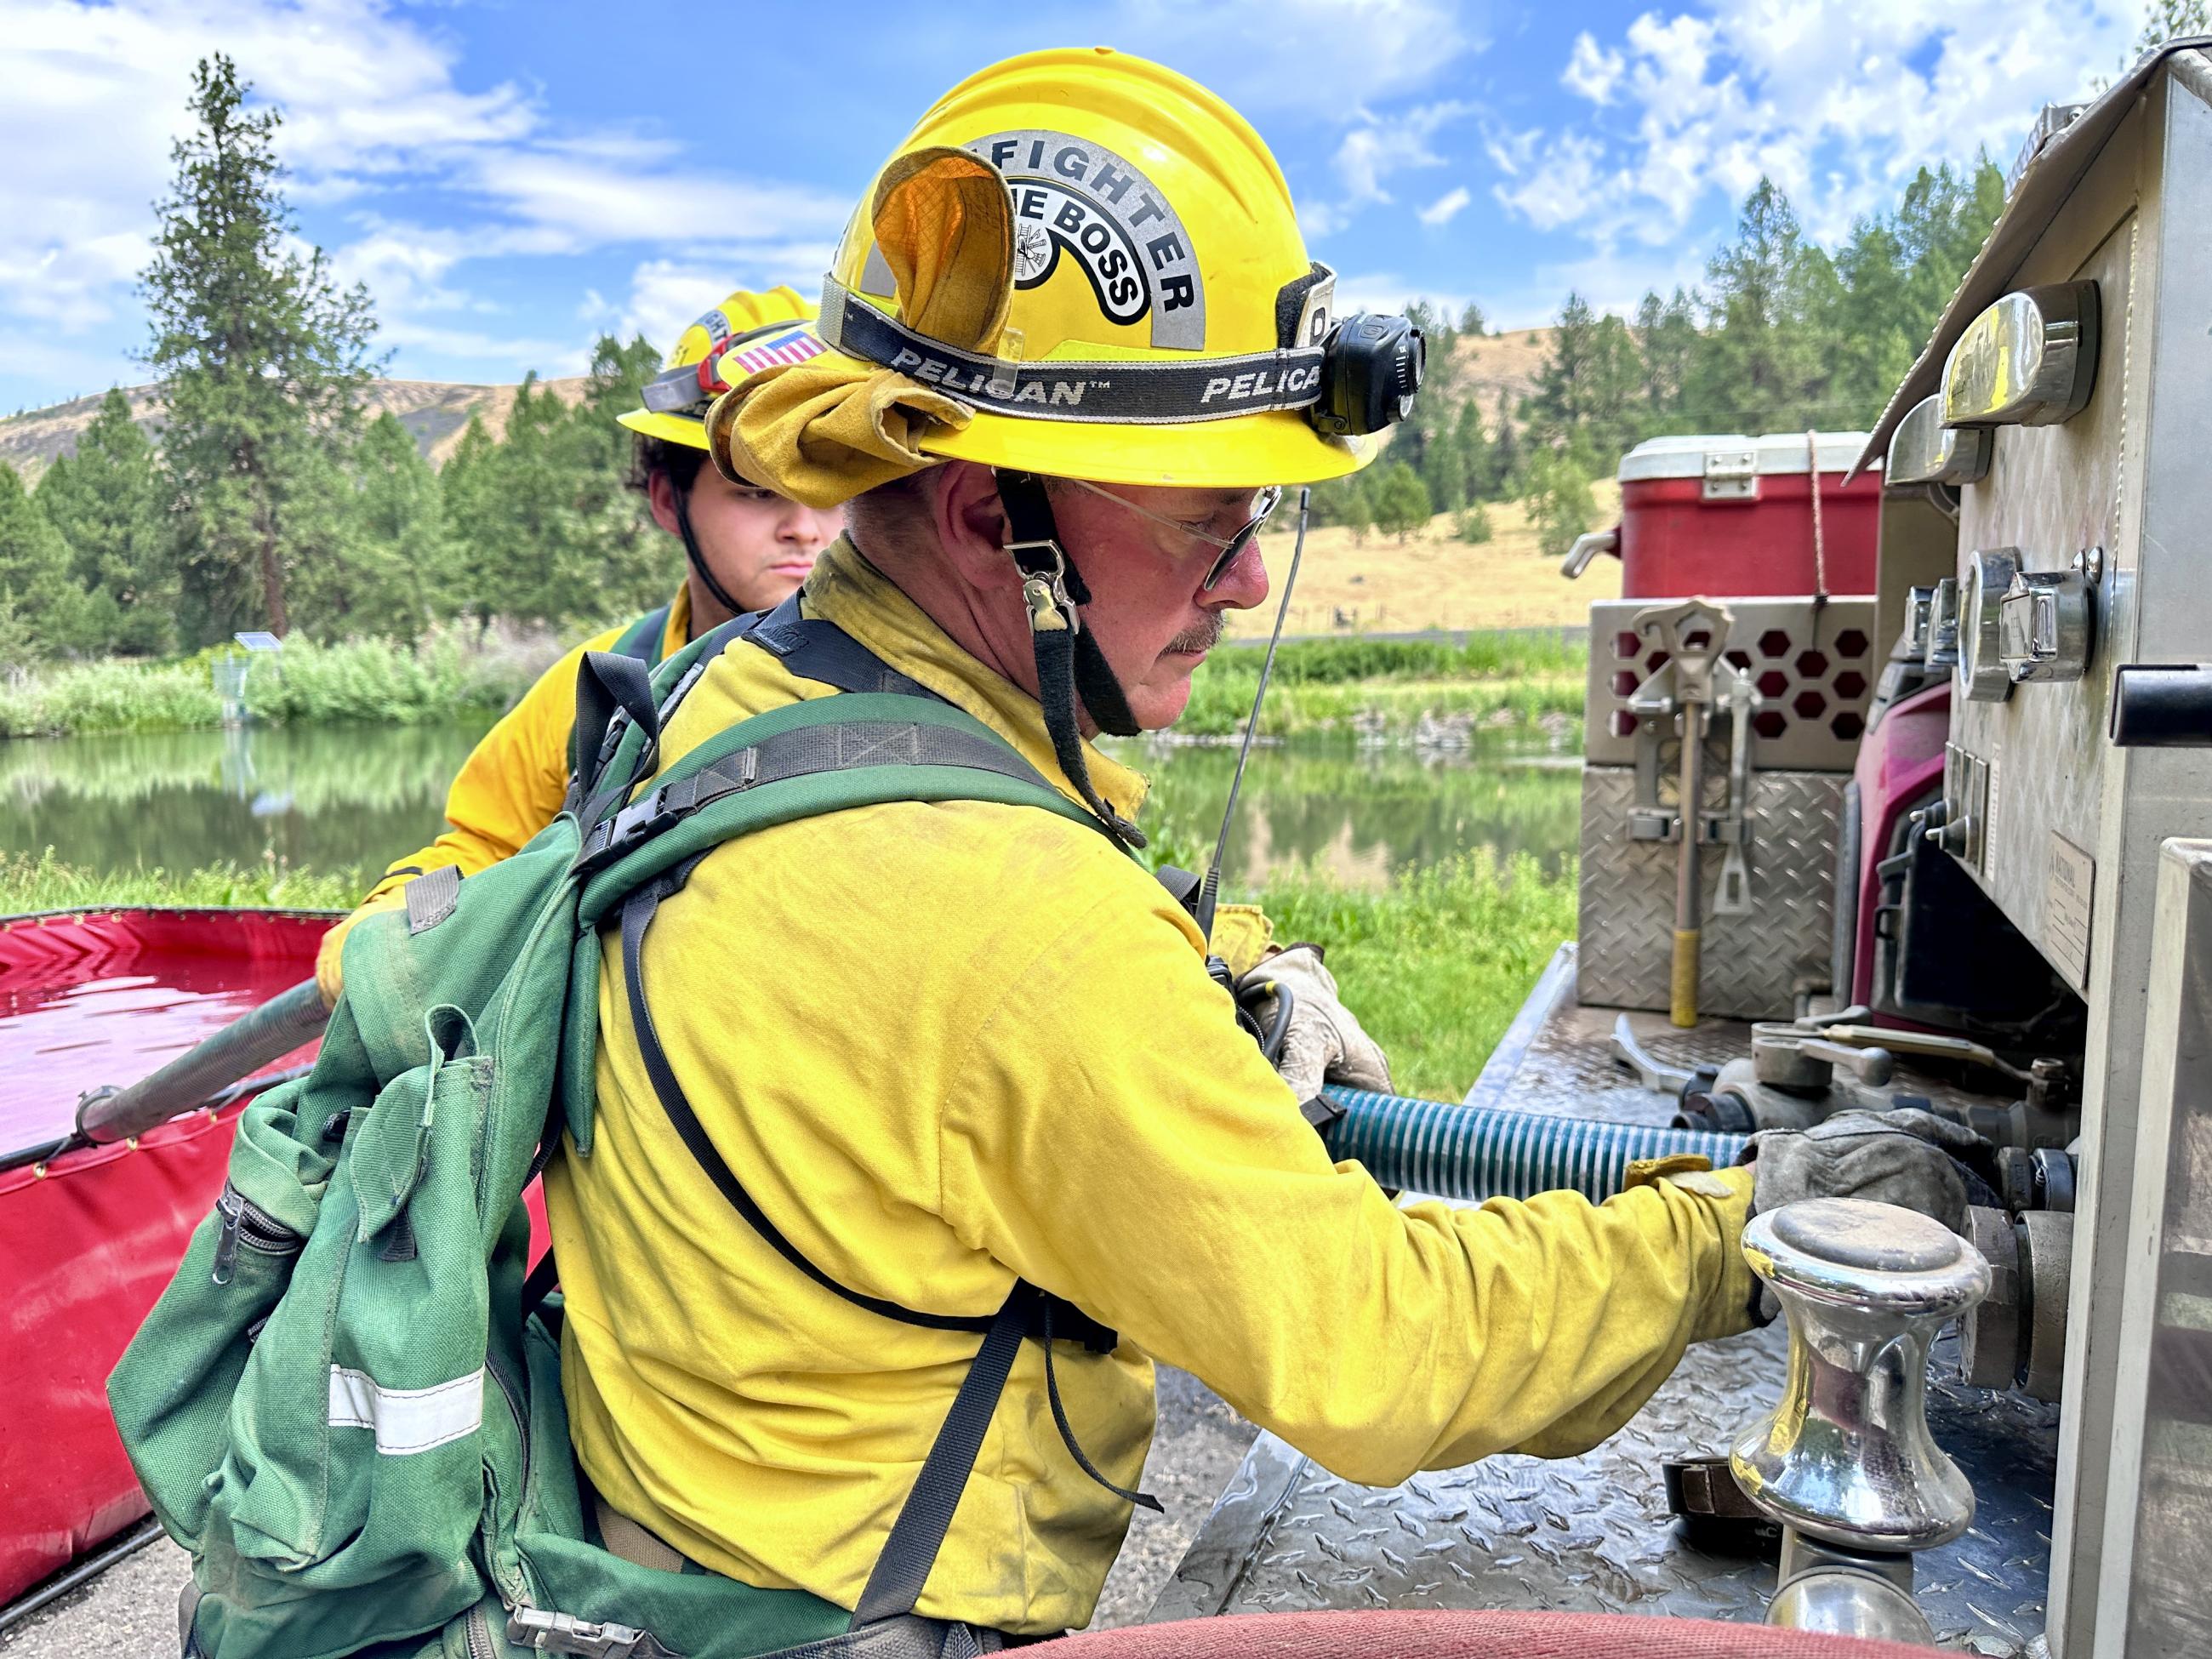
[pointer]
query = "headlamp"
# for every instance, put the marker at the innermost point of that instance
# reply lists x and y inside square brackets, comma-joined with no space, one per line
[1370,370]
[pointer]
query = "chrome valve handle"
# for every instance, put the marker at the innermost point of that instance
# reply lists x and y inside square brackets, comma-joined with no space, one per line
[1846,1457]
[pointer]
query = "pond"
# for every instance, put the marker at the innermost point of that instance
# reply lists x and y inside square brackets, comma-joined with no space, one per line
[329,796]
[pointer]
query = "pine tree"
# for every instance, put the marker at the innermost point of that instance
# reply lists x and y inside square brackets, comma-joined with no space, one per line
[1473,322]
[263,363]
[1556,493]
[35,577]
[106,501]
[1401,501]
[1763,364]
[1666,341]
[1561,403]
[1504,474]
[385,554]
[470,511]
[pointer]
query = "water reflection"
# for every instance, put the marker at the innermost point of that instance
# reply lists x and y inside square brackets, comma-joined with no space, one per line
[319,798]
[1359,811]
[314,797]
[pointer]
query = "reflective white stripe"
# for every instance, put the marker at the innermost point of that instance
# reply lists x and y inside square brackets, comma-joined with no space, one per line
[407,1419]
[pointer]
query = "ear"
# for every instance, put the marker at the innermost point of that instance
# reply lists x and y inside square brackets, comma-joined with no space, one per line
[660,498]
[971,525]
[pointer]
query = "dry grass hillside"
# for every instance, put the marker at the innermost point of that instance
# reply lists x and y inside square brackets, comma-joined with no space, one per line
[1375,584]
[1497,369]
[437,414]
[1382,585]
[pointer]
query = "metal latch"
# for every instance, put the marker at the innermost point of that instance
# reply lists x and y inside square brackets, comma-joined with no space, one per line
[545,1631]
[1731,475]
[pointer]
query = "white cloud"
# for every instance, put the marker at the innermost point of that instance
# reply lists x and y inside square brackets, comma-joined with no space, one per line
[1838,100]
[1592,73]
[1446,207]
[373,111]
[1380,146]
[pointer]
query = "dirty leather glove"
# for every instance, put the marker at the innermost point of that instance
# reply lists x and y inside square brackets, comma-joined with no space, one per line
[1906,1157]
[1324,1043]
[330,974]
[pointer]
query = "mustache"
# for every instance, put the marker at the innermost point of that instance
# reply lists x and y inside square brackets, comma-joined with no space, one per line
[1204,637]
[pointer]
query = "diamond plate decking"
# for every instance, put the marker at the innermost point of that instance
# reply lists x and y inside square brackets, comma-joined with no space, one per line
[1592,1534]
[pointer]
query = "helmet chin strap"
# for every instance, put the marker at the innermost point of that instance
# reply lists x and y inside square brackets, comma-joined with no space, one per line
[1069,664]
[698,559]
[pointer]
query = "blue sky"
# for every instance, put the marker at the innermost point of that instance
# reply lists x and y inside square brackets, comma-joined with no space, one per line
[511,179]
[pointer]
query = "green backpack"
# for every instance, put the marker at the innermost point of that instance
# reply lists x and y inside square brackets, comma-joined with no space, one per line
[344,1405]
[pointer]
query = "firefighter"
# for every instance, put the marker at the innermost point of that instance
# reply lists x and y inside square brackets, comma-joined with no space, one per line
[950,1050]
[745,549]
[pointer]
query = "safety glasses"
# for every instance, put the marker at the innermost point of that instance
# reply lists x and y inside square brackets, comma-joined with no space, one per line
[1229,546]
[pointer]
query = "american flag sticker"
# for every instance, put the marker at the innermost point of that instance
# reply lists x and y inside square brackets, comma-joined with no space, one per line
[795,346]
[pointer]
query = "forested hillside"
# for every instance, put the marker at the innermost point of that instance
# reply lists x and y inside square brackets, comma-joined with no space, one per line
[270,478]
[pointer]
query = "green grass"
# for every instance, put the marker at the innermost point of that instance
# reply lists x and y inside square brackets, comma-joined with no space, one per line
[1386,686]
[46,883]
[450,671]
[1434,965]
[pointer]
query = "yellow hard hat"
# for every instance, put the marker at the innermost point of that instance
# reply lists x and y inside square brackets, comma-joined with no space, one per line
[746,332]
[1099,258]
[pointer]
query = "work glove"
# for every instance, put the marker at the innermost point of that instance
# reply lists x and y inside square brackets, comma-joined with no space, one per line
[330,978]
[1906,1158]
[1323,1043]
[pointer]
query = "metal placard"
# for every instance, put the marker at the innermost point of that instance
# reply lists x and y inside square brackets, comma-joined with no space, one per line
[2066,907]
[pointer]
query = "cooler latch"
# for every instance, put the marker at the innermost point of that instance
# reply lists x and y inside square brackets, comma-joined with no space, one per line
[1731,475]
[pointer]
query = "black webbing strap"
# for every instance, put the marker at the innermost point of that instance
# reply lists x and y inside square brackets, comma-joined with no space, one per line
[540,1282]
[1032,1312]
[608,684]
[1068,659]
[643,637]
[799,752]
[895,1583]
[1143,1500]
[637,916]
[815,648]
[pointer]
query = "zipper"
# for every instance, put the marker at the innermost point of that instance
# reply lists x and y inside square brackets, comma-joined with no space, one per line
[476,1630]
[247,1225]
[517,1590]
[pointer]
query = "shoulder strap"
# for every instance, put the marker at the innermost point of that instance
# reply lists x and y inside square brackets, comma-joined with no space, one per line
[815,648]
[643,638]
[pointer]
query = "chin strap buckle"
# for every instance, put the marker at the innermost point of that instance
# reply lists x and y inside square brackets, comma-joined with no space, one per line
[1044,586]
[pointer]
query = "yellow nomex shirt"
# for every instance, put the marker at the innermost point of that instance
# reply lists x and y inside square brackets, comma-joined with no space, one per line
[947,1045]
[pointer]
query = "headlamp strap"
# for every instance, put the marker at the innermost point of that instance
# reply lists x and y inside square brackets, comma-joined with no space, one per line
[1069,663]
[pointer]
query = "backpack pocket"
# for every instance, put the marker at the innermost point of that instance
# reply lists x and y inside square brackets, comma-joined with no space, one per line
[169,1392]
[356,1454]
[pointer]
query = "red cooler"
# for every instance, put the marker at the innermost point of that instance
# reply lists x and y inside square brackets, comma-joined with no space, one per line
[1731,516]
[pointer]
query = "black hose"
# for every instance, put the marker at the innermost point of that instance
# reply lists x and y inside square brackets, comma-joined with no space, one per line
[240,1049]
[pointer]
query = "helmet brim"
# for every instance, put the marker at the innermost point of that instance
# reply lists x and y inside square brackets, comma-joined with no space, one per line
[671,429]
[1250,451]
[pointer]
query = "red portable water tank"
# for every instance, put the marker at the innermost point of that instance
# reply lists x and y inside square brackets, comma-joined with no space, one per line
[1728,515]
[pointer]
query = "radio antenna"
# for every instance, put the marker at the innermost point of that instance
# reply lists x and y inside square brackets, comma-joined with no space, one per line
[1209,891]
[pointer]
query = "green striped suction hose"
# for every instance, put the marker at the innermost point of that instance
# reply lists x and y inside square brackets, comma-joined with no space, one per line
[1475,1153]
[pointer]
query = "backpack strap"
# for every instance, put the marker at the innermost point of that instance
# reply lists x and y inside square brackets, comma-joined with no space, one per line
[643,638]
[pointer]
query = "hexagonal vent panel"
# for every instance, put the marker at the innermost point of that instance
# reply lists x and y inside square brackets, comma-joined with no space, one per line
[1809,665]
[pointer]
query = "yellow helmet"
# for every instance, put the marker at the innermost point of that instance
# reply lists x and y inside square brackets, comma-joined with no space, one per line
[745,333]
[1099,258]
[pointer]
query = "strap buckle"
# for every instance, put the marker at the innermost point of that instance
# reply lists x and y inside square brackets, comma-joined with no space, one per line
[543,1631]
[641,821]
[1045,587]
